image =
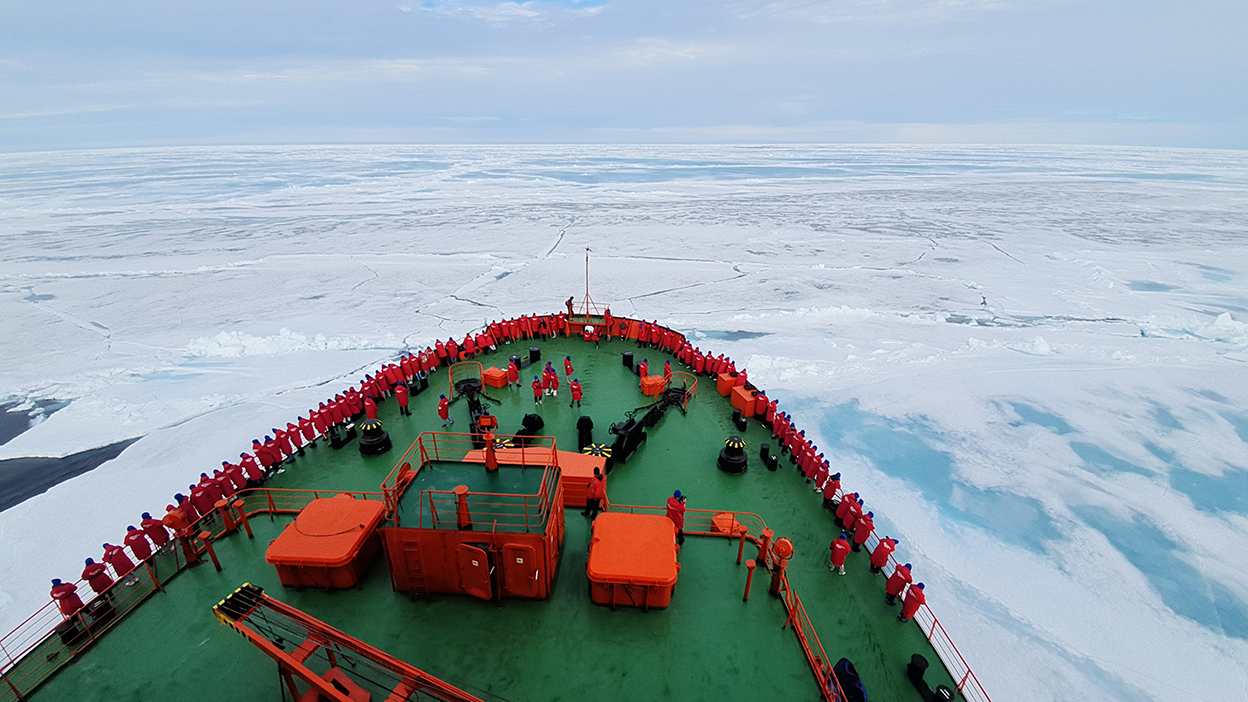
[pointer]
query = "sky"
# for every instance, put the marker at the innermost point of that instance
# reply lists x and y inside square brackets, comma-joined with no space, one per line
[145,72]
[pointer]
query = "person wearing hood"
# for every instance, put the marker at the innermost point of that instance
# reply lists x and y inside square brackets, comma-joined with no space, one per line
[676,513]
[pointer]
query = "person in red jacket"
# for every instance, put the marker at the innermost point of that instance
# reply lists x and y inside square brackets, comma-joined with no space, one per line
[214,489]
[554,383]
[155,530]
[96,575]
[577,392]
[910,606]
[252,469]
[452,350]
[187,507]
[840,551]
[830,487]
[441,352]
[896,583]
[370,407]
[138,543]
[400,396]
[513,374]
[842,508]
[295,436]
[226,485]
[667,372]
[676,513]
[590,333]
[879,557]
[853,514]
[117,558]
[538,391]
[202,501]
[609,322]
[444,411]
[308,430]
[862,529]
[596,495]
[66,597]
[643,369]
[567,365]
[470,347]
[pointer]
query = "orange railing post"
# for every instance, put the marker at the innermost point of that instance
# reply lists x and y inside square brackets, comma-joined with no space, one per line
[206,537]
[749,577]
[462,518]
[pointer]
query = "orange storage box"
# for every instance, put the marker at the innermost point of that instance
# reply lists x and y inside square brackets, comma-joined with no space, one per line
[632,560]
[494,377]
[652,385]
[725,383]
[329,544]
[744,400]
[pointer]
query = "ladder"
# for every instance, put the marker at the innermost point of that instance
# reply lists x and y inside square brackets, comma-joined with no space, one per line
[302,645]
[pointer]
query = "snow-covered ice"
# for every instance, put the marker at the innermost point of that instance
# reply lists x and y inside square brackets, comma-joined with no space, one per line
[1032,361]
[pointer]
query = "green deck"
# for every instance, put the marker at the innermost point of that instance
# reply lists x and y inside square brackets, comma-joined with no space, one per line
[707,644]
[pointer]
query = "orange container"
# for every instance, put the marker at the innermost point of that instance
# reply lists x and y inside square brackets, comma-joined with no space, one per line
[744,400]
[652,385]
[725,384]
[494,377]
[632,560]
[575,472]
[329,544]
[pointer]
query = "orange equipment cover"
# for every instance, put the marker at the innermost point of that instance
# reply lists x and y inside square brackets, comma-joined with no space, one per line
[744,400]
[328,533]
[494,377]
[575,469]
[725,523]
[575,472]
[652,385]
[725,384]
[633,549]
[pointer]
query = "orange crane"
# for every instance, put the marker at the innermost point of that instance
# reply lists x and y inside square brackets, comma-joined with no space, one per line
[301,645]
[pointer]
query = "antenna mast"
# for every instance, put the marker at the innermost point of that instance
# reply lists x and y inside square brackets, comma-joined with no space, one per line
[588,305]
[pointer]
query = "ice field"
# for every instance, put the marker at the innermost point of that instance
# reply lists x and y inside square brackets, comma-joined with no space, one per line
[1032,362]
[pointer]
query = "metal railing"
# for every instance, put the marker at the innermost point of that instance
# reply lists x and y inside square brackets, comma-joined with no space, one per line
[959,670]
[748,526]
[47,640]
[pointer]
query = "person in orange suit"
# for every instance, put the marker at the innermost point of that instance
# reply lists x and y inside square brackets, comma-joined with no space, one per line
[676,513]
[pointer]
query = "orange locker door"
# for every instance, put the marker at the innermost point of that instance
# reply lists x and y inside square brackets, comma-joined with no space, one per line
[474,571]
[521,571]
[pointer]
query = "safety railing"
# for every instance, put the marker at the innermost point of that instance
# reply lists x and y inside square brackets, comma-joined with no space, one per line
[446,509]
[748,526]
[47,640]
[451,447]
[688,381]
[959,670]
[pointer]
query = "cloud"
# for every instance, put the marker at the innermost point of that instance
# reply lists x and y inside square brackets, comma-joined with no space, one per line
[503,13]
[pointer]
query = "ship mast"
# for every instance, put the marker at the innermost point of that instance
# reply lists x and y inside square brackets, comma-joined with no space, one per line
[588,305]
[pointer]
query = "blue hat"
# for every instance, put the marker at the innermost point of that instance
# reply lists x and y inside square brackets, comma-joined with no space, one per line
[576,380]
[871,514]
[920,586]
[179,497]
[906,566]
[442,396]
[131,528]
[146,515]
[843,536]
[90,561]
[676,494]
[225,463]
[56,581]
[836,476]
